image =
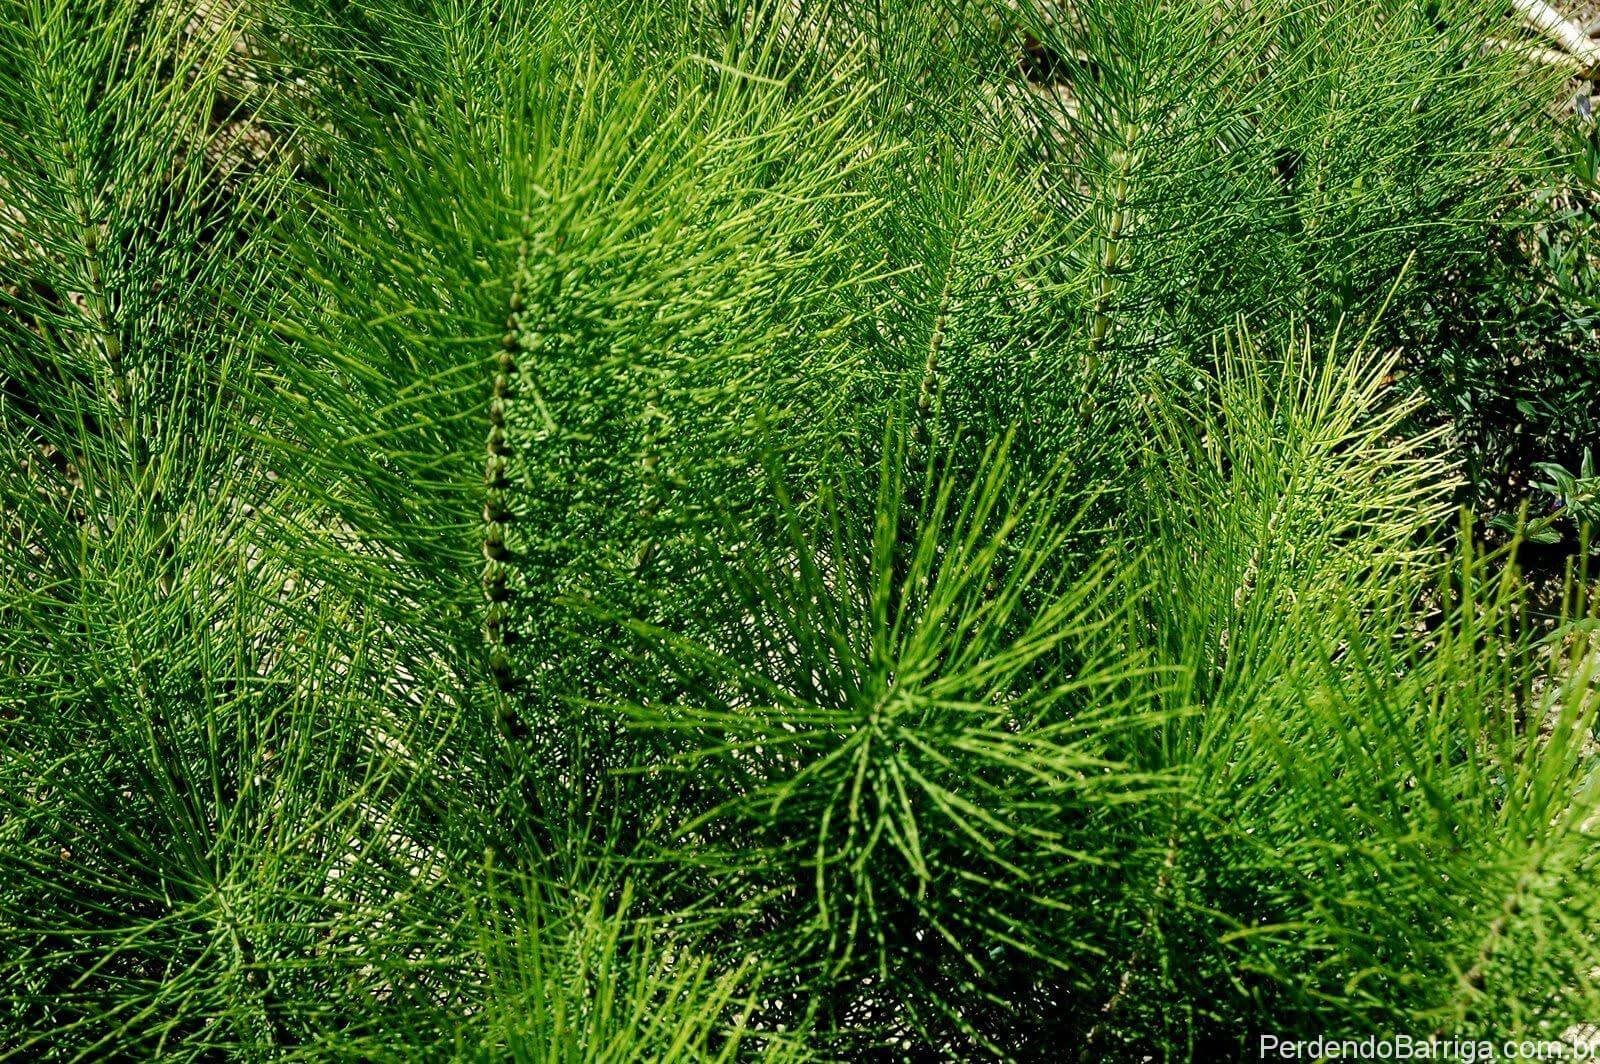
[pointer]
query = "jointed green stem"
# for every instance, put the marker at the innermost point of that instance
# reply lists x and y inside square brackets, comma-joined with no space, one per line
[1110,259]
[497,481]
[929,385]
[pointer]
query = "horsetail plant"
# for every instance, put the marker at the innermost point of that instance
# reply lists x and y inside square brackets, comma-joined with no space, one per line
[768,529]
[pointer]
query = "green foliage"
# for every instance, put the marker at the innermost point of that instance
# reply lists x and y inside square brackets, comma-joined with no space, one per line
[1578,494]
[724,529]
[548,978]
[1512,344]
[1339,760]
[903,735]
[1575,503]
[1281,160]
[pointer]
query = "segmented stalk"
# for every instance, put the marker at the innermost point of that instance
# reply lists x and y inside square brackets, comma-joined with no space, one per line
[1471,981]
[119,386]
[111,343]
[1110,259]
[930,364]
[1111,265]
[1130,965]
[517,342]
[941,322]
[97,305]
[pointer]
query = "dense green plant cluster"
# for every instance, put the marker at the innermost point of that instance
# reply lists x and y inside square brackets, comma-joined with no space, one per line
[771,529]
[1509,352]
